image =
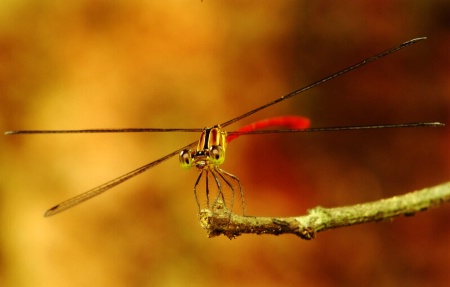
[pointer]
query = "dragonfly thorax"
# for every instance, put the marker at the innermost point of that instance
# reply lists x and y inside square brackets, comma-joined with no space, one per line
[210,150]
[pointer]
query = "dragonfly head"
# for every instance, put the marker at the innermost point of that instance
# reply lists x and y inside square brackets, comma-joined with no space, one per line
[210,150]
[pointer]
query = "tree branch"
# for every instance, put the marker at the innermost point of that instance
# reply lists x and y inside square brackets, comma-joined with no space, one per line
[219,221]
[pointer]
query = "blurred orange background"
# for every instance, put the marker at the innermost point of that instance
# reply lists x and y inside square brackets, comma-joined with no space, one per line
[117,64]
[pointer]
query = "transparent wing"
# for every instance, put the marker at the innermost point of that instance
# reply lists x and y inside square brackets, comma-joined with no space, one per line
[110,184]
[87,131]
[332,129]
[323,80]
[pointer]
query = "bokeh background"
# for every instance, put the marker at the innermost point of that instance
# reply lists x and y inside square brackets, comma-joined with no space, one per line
[115,64]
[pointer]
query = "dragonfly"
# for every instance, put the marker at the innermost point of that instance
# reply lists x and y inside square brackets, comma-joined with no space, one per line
[208,153]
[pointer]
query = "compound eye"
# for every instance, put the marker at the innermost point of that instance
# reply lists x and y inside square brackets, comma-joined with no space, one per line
[186,159]
[216,155]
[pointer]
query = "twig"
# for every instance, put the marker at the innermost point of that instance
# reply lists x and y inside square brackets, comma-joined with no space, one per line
[219,221]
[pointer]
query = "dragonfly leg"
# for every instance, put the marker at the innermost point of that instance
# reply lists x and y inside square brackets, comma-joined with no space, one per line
[236,179]
[207,189]
[195,190]
[220,196]
[220,201]
[222,174]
